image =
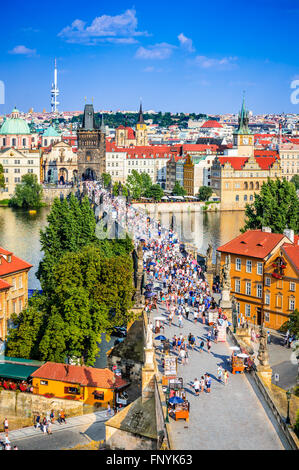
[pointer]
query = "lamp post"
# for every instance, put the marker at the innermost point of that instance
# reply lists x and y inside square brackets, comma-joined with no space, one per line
[234,314]
[167,398]
[288,394]
[254,317]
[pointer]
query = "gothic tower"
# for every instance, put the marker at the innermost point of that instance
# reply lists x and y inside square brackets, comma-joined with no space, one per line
[243,138]
[141,129]
[91,147]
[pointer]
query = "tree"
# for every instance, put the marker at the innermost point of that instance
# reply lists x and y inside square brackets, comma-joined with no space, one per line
[295,181]
[106,179]
[71,226]
[155,191]
[2,178]
[28,194]
[204,193]
[138,183]
[178,190]
[276,206]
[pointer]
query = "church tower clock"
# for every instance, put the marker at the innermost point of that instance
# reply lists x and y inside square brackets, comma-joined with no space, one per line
[243,138]
[141,129]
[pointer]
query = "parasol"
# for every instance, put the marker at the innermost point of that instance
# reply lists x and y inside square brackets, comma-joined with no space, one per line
[160,338]
[157,288]
[242,355]
[175,400]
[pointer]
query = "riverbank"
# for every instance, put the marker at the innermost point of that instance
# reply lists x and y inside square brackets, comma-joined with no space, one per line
[195,206]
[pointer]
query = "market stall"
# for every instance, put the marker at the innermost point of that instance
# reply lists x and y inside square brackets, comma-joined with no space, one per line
[179,407]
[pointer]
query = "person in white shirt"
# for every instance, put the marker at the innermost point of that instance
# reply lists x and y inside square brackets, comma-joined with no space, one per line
[196,385]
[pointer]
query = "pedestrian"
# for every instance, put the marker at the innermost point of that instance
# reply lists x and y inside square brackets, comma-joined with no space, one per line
[45,423]
[180,320]
[6,426]
[49,427]
[52,416]
[108,410]
[182,356]
[209,345]
[202,384]
[209,382]
[37,421]
[225,377]
[219,373]
[62,416]
[268,337]
[201,346]
[196,386]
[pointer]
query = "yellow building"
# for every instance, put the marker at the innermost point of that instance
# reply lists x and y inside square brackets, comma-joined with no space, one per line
[14,273]
[264,275]
[90,385]
[189,176]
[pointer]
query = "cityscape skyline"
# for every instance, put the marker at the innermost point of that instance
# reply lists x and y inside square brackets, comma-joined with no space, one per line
[204,56]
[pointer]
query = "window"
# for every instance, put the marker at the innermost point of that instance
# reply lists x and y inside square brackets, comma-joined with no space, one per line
[292,303]
[44,382]
[267,317]
[17,170]
[245,197]
[259,290]
[72,390]
[259,268]
[278,300]
[292,286]
[251,197]
[30,170]
[14,283]
[267,281]
[20,305]
[247,310]
[14,307]
[238,308]
[98,395]
[238,264]
[20,282]
[237,197]
[267,299]
[248,266]
[237,285]
[248,288]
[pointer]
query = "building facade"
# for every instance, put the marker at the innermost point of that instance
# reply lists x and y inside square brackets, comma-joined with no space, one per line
[17,163]
[15,132]
[13,288]
[289,160]
[264,275]
[59,164]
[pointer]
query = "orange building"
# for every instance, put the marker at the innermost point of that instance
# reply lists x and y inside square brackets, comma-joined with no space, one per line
[87,384]
[264,275]
[14,291]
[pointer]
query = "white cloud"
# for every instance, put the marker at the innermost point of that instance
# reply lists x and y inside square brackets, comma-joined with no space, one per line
[186,43]
[117,29]
[209,62]
[159,51]
[22,50]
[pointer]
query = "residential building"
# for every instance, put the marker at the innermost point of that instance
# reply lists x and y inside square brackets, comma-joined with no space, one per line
[264,275]
[90,385]
[17,163]
[13,288]
[289,160]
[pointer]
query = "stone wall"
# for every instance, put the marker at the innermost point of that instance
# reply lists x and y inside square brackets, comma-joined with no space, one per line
[49,194]
[28,404]
[122,440]
[155,207]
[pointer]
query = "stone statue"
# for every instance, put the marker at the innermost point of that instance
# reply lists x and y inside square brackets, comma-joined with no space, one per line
[263,355]
[226,282]
[209,254]
[149,336]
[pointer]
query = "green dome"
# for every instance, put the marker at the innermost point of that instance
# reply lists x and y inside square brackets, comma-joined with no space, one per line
[51,132]
[14,125]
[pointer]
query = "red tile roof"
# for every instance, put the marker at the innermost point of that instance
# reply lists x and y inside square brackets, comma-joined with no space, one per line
[238,162]
[90,376]
[16,264]
[200,147]
[266,153]
[210,124]
[292,251]
[253,243]
[4,285]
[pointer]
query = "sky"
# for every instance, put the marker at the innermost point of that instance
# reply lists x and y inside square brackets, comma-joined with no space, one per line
[179,56]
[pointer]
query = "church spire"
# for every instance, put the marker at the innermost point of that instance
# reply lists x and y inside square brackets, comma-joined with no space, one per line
[140,115]
[103,128]
[243,119]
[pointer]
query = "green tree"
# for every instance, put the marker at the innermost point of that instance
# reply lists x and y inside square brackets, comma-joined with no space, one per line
[295,181]
[138,183]
[154,191]
[276,206]
[204,193]
[2,178]
[178,190]
[23,340]
[106,178]
[28,194]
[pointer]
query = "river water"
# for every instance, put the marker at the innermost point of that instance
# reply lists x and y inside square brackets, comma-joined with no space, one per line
[20,232]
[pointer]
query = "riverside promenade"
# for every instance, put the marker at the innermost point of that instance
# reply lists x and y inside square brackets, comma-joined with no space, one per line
[230,417]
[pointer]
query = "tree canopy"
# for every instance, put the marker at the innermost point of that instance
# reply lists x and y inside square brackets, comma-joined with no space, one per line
[178,190]
[28,194]
[276,206]
[138,183]
[295,181]
[155,192]
[2,178]
[204,193]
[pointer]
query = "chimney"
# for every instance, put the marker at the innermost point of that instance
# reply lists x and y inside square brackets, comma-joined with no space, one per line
[290,234]
[266,229]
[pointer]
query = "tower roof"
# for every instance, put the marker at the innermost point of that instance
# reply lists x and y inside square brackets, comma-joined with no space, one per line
[243,120]
[14,125]
[140,115]
[88,122]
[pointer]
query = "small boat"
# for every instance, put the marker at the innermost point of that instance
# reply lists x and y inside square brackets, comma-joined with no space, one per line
[32,211]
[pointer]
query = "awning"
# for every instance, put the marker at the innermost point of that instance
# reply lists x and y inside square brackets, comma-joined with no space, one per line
[16,371]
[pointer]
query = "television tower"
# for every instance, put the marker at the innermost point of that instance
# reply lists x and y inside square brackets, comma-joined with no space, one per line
[54,92]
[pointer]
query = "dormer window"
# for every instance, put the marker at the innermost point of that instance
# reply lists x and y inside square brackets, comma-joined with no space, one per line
[9,258]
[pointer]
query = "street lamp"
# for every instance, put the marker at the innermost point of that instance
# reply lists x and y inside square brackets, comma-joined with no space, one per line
[288,394]
[167,392]
[254,317]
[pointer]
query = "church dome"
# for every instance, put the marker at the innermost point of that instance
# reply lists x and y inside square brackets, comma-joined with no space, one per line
[51,132]
[14,125]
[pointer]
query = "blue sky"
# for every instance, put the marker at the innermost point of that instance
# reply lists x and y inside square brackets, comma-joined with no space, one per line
[192,56]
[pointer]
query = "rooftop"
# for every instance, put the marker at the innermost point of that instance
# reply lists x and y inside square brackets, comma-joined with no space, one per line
[9,263]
